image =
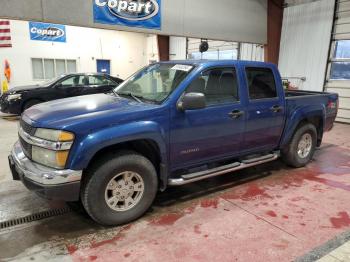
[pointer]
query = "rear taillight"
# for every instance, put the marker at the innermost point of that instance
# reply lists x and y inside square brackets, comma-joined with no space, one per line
[332,105]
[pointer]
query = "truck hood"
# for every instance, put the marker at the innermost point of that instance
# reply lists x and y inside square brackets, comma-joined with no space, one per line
[65,112]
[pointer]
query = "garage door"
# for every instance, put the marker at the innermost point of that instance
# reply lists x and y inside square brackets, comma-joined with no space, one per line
[338,74]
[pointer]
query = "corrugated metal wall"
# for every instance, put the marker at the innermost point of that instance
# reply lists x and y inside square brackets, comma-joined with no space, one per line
[341,31]
[305,41]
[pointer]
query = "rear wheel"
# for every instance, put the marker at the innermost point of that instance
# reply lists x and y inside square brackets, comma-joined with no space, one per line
[301,149]
[119,189]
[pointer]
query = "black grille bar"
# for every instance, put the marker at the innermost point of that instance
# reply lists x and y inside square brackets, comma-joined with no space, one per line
[27,148]
[27,128]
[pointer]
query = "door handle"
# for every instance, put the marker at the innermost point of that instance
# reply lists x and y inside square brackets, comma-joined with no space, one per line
[276,109]
[236,114]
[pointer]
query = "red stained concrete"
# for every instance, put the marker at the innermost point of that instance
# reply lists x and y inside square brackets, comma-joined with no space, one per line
[279,215]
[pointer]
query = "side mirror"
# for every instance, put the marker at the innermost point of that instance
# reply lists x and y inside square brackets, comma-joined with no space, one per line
[59,85]
[192,101]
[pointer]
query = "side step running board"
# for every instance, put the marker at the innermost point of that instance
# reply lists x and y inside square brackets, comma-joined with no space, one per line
[197,176]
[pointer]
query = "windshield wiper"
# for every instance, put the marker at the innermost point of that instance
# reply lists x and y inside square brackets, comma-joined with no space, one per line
[115,93]
[137,98]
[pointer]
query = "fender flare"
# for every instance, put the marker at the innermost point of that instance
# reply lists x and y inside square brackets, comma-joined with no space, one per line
[300,115]
[84,150]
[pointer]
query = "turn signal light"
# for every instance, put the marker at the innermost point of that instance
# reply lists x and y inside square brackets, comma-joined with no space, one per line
[61,158]
[65,136]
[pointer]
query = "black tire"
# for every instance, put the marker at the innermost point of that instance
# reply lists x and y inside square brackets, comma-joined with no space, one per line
[30,103]
[99,176]
[290,154]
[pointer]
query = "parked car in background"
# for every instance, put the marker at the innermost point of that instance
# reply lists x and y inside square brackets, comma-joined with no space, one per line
[18,99]
[170,124]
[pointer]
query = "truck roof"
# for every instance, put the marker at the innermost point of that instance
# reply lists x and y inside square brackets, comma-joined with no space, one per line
[218,62]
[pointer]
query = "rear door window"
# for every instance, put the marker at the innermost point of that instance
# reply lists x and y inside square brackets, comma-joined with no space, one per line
[73,81]
[261,83]
[100,81]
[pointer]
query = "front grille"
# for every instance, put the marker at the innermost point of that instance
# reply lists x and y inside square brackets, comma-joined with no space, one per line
[27,128]
[27,148]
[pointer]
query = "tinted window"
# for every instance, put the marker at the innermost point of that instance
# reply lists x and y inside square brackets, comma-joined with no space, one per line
[100,80]
[74,81]
[261,83]
[218,85]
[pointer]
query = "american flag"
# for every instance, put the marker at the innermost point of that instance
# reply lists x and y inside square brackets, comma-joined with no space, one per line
[5,34]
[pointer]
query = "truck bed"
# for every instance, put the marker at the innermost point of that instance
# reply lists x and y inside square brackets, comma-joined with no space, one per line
[298,93]
[297,100]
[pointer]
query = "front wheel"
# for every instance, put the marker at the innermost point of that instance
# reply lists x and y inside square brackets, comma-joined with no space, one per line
[302,147]
[119,189]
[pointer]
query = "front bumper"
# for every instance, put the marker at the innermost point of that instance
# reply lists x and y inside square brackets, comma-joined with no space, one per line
[10,108]
[2,114]
[47,182]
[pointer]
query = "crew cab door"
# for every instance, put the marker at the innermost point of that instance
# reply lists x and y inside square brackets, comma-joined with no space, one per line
[71,86]
[265,110]
[203,135]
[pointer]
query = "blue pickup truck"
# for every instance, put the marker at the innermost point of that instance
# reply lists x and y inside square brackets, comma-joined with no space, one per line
[169,124]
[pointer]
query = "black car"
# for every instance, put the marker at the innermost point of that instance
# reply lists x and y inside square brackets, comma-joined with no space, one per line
[18,99]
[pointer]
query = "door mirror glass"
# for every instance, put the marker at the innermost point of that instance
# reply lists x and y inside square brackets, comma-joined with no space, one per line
[192,101]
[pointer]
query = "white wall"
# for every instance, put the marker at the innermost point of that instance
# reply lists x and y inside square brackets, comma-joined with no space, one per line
[127,51]
[305,42]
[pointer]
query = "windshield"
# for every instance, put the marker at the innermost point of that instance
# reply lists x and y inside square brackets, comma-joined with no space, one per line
[51,81]
[155,82]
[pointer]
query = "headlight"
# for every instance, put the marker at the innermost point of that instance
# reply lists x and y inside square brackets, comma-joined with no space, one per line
[52,149]
[55,159]
[54,135]
[14,97]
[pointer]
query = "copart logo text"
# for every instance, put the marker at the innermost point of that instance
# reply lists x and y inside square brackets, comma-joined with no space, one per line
[131,9]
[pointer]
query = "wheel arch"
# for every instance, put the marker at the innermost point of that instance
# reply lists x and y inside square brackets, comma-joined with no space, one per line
[301,117]
[145,138]
[145,147]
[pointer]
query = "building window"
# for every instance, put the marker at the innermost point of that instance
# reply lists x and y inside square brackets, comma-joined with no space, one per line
[214,55]
[38,69]
[218,50]
[44,68]
[340,66]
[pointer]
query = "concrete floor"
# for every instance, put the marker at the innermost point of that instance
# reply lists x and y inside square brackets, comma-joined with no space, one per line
[266,213]
[8,136]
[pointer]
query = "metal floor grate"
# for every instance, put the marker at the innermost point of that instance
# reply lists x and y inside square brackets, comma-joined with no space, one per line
[35,217]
